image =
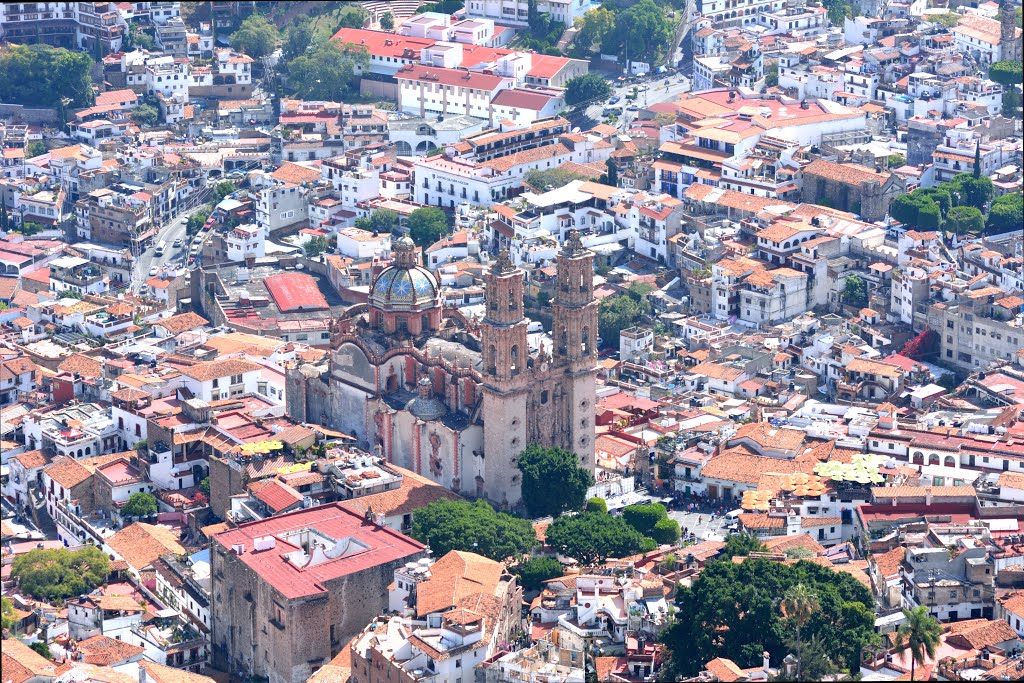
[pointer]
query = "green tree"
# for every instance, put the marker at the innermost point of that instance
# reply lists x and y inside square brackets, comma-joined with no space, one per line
[380,221]
[895,160]
[642,33]
[1011,102]
[613,173]
[475,527]
[444,7]
[920,633]
[137,38]
[6,614]
[592,537]
[939,195]
[971,191]
[198,220]
[256,37]
[799,604]
[223,189]
[586,88]
[35,148]
[204,485]
[146,114]
[299,38]
[1006,213]
[593,27]
[352,16]
[316,246]
[742,545]
[965,219]
[57,574]
[596,505]
[948,381]
[551,178]
[387,21]
[617,313]
[929,216]
[1009,74]
[977,160]
[666,531]
[328,72]
[42,648]
[947,20]
[427,225]
[644,517]
[140,504]
[732,611]
[43,76]
[534,572]
[553,481]
[855,291]
[771,75]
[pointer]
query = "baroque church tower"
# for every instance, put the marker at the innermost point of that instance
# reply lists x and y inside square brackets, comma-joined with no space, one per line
[1010,46]
[544,397]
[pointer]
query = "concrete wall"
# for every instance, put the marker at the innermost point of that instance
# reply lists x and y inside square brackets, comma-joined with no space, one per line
[21,114]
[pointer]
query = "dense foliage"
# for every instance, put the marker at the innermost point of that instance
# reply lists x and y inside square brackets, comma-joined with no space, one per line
[732,611]
[387,21]
[596,505]
[1009,74]
[1006,213]
[551,178]
[933,208]
[593,537]
[316,246]
[475,527]
[921,634]
[592,29]
[140,504]
[6,614]
[534,572]
[146,114]
[60,573]
[965,219]
[553,481]
[328,71]
[380,221]
[256,37]
[42,76]
[924,346]
[742,545]
[855,291]
[617,313]
[427,225]
[642,33]
[587,88]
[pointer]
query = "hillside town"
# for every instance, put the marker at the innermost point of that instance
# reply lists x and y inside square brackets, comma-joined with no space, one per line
[518,341]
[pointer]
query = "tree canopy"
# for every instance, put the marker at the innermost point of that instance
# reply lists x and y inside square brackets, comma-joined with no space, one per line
[732,611]
[617,313]
[299,37]
[381,220]
[1006,213]
[56,574]
[553,481]
[1009,74]
[855,291]
[921,634]
[593,28]
[256,37]
[535,571]
[586,88]
[6,614]
[387,21]
[316,246]
[652,520]
[427,225]
[551,178]
[965,219]
[971,191]
[593,537]
[41,76]
[328,71]
[642,33]
[475,527]
[146,114]
[140,504]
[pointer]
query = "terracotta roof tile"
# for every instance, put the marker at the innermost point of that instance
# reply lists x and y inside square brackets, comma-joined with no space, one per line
[182,322]
[141,543]
[107,651]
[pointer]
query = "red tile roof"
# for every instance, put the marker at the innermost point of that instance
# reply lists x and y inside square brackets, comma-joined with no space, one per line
[274,494]
[295,292]
[454,77]
[384,546]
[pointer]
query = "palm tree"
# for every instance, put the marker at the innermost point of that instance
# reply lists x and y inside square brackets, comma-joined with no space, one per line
[920,634]
[799,604]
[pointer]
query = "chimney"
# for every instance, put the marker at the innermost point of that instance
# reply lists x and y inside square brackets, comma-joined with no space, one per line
[766,661]
[928,495]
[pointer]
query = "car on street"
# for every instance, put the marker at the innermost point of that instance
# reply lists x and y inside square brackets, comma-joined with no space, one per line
[154,270]
[632,107]
[614,99]
[176,243]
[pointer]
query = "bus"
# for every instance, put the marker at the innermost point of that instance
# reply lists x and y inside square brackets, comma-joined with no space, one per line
[160,246]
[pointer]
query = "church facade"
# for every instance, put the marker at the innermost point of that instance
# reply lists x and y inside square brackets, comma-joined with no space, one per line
[453,399]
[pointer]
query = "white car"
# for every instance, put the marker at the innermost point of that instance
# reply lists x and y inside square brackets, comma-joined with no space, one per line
[154,270]
[176,243]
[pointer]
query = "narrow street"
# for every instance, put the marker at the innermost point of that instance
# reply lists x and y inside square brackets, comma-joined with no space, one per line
[170,232]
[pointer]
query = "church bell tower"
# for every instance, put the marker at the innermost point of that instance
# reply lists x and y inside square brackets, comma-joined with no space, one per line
[574,335]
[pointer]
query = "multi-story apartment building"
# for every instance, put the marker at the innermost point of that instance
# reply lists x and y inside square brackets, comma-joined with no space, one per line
[728,13]
[980,328]
[441,181]
[78,275]
[952,584]
[112,218]
[290,591]
[516,12]
[96,27]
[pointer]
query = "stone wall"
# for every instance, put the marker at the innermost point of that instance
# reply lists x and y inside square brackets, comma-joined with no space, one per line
[17,113]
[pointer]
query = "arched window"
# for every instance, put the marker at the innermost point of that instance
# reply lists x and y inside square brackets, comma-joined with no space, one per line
[425,322]
[492,358]
[950,461]
[88,450]
[585,342]
[511,298]
[563,342]
[515,360]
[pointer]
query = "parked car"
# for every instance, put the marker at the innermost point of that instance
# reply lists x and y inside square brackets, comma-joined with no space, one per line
[154,270]
[614,99]
[176,243]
